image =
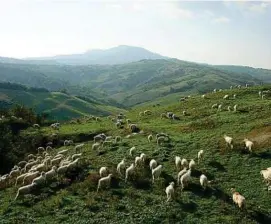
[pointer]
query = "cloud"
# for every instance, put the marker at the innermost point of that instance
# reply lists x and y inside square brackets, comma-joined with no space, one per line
[258,8]
[221,19]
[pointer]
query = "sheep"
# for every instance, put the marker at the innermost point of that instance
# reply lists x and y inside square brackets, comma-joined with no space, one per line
[175,117]
[14,173]
[75,156]
[180,174]
[160,140]
[184,113]
[39,180]
[117,139]
[203,96]
[30,177]
[169,115]
[234,96]
[48,148]
[192,164]
[131,151]
[104,181]
[248,144]
[143,157]
[219,107]
[229,141]
[238,198]
[51,173]
[163,115]
[25,190]
[62,169]
[56,161]
[98,119]
[184,163]
[31,156]
[73,164]
[79,147]
[203,181]
[40,149]
[263,96]
[99,138]
[138,161]
[153,164]
[170,191]
[214,105]
[121,166]
[147,112]
[134,128]
[128,121]
[150,138]
[36,126]
[214,90]
[106,142]
[200,155]
[229,108]
[96,146]
[260,94]
[266,175]
[185,179]
[156,172]
[141,114]
[103,171]
[20,178]
[130,170]
[235,108]
[178,162]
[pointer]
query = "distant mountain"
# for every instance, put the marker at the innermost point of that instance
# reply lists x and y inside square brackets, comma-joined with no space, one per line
[116,55]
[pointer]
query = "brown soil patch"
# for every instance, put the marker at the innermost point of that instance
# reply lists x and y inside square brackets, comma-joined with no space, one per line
[261,136]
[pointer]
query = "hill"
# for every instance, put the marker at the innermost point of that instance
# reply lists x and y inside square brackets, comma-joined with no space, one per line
[57,105]
[116,55]
[74,198]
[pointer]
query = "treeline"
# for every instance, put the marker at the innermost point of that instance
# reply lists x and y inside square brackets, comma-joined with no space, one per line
[15,86]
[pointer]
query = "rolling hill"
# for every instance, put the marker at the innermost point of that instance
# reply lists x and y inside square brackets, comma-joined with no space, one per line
[73,198]
[58,105]
[116,55]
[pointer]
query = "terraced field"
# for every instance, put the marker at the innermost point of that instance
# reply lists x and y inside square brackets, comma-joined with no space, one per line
[74,198]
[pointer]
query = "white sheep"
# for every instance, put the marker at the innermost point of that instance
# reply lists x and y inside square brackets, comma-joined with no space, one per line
[266,175]
[147,112]
[130,170]
[95,146]
[248,144]
[229,108]
[185,179]
[203,96]
[79,147]
[234,96]
[56,161]
[104,182]
[20,178]
[30,177]
[214,105]
[238,198]
[226,97]
[156,172]
[200,155]
[73,164]
[131,151]
[39,180]
[203,181]
[178,162]
[25,190]
[138,161]
[235,108]
[51,173]
[184,163]
[121,166]
[229,141]
[103,171]
[36,126]
[150,138]
[143,157]
[180,174]
[153,164]
[170,191]
[62,169]
[192,164]
[64,151]
[219,107]
[75,156]
[161,139]
[260,94]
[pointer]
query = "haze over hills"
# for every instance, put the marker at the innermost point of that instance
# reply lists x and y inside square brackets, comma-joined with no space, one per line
[116,55]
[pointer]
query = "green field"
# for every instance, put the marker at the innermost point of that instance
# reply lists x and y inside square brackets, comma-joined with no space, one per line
[140,201]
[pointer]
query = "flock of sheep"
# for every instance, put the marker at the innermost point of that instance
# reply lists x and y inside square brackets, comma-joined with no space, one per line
[46,165]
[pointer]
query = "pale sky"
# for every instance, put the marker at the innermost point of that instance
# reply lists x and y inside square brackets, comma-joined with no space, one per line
[214,32]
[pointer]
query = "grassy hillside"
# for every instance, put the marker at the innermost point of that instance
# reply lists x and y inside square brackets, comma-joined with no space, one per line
[132,83]
[139,201]
[59,106]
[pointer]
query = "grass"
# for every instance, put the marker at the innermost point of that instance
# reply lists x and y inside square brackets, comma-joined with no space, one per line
[140,201]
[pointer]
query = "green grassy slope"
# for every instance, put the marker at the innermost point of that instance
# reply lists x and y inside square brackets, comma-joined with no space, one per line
[58,106]
[140,201]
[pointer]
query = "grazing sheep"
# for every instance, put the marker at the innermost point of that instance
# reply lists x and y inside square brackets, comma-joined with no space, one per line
[51,173]
[263,96]
[260,94]
[48,148]
[235,108]
[141,114]
[266,175]
[219,108]
[22,164]
[138,161]
[238,198]
[79,147]
[36,126]
[14,173]
[156,172]
[103,171]
[56,161]
[75,156]
[180,174]
[104,182]
[203,181]
[203,96]
[30,177]
[184,113]
[200,155]
[170,191]
[184,163]
[185,179]
[117,139]
[64,151]
[214,90]
[169,115]
[229,108]
[73,164]
[20,178]
[153,164]
[121,166]
[130,170]
[160,140]
[214,106]
[234,96]
[192,164]
[229,141]
[150,138]
[132,150]
[248,144]
[143,157]
[25,190]
[62,169]
[163,115]
[128,121]
[96,146]
[178,162]
[107,142]
[39,180]
[147,112]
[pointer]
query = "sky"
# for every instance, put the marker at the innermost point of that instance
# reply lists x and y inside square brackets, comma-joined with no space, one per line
[214,32]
